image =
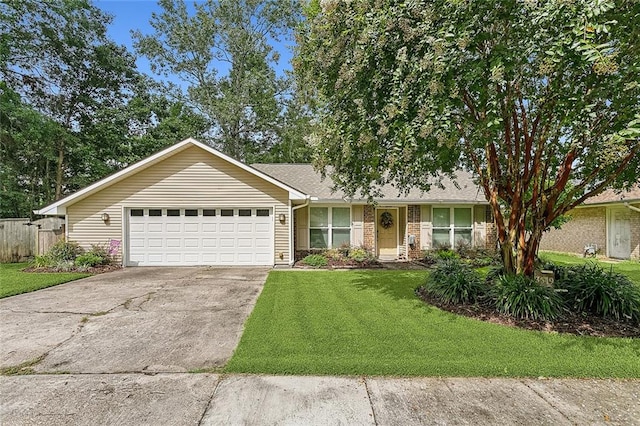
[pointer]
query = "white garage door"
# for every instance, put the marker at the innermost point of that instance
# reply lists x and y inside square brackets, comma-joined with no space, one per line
[165,236]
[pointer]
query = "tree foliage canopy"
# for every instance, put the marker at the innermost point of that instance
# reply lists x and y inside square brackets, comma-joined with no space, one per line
[540,99]
[224,53]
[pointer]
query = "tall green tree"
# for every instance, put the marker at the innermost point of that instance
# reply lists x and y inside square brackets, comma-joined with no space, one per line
[540,99]
[224,53]
[58,58]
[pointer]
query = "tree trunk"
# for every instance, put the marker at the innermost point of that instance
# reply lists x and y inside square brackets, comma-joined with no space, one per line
[508,258]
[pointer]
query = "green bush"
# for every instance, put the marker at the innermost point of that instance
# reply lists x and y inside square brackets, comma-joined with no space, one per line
[454,282]
[64,251]
[446,254]
[43,261]
[360,255]
[522,297]
[102,251]
[605,293]
[88,260]
[315,261]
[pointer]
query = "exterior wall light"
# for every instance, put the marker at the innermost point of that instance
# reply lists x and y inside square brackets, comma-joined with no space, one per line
[282,217]
[104,217]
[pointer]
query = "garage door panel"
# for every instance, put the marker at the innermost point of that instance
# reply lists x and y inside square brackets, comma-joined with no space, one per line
[173,242]
[209,243]
[245,227]
[191,242]
[200,240]
[263,227]
[209,227]
[154,242]
[227,227]
[154,227]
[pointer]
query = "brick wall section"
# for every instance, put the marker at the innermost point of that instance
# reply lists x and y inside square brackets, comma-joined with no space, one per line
[369,227]
[587,226]
[413,228]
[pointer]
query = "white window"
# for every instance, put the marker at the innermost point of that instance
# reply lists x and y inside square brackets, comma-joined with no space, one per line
[450,225]
[329,227]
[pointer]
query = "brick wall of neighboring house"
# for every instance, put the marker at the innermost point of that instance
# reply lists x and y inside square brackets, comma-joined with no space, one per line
[413,228]
[369,227]
[587,226]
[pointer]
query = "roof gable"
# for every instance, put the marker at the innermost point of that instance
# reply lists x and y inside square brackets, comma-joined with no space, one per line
[59,207]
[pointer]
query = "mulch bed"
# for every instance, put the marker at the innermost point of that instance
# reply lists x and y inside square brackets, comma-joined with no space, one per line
[570,323]
[93,270]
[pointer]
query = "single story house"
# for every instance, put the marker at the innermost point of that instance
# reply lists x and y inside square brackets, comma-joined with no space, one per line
[193,205]
[608,222]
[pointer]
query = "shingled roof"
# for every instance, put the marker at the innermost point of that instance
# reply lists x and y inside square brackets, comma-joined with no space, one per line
[611,196]
[305,179]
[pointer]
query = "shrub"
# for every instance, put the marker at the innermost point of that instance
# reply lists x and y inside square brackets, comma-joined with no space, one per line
[315,261]
[101,250]
[88,260]
[605,293]
[64,251]
[522,297]
[360,255]
[43,261]
[454,282]
[447,254]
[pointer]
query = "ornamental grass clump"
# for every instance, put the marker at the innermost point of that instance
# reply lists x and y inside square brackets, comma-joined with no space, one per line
[315,261]
[453,281]
[522,297]
[591,289]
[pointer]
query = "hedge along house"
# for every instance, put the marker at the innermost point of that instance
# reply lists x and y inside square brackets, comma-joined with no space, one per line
[609,222]
[192,205]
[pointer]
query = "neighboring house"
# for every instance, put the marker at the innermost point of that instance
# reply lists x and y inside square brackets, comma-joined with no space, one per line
[609,222]
[192,205]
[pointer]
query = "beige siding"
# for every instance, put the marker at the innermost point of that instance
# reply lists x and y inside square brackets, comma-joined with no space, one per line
[190,178]
[357,222]
[302,228]
[425,227]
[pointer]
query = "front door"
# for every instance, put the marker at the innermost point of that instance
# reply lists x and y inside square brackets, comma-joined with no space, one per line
[619,234]
[387,233]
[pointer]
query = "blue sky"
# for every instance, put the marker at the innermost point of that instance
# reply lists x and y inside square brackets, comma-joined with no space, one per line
[135,15]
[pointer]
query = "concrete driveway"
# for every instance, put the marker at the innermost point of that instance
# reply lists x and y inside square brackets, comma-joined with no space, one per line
[131,340]
[132,320]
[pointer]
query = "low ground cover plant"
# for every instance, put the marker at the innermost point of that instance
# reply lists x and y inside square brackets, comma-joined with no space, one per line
[65,256]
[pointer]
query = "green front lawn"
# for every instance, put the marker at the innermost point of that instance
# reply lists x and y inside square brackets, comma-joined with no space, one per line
[13,281]
[371,323]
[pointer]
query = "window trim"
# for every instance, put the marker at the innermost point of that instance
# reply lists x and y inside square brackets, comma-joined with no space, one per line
[452,228]
[329,226]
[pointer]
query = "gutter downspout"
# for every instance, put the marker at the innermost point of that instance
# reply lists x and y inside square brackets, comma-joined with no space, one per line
[629,206]
[292,250]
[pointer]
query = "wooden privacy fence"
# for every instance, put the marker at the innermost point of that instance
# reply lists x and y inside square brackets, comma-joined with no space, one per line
[21,239]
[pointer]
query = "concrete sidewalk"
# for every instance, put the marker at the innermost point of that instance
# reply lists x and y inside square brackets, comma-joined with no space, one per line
[210,399]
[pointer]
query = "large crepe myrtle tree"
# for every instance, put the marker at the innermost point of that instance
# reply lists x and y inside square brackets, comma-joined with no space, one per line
[539,99]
